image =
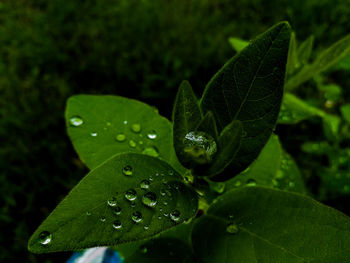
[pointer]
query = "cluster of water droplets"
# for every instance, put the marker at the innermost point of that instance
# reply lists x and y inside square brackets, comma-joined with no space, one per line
[231,227]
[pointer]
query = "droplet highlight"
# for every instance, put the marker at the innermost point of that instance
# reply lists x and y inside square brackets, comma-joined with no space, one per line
[76,121]
[120,137]
[175,215]
[145,184]
[150,199]
[136,127]
[132,144]
[232,229]
[130,195]
[45,238]
[152,135]
[127,170]
[112,202]
[117,224]
[136,217]
[151,151]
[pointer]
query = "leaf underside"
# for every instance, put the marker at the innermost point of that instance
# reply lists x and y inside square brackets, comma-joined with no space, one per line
[249,88]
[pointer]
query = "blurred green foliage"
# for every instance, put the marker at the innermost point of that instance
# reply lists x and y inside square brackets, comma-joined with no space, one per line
[50,50]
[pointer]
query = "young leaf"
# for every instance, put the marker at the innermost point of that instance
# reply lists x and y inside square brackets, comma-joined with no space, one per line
[238,44]
[102,126]
[273,168]
[208,125]
[229,143]
[162,250]
[256,224]
[186,117]
[325,60]
[304,50]
[249,88]
[120,201]
[292,60]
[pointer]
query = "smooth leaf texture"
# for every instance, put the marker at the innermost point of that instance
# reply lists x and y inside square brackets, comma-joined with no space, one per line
[249,88]
[208,125]
[229,144]
[255,224]
[325,60]
[345,112]
[162,250]
[238,44]
[292,60]
[294,110]
[112,124]
[304,50]
[186,117]
[86,217]
[274,168]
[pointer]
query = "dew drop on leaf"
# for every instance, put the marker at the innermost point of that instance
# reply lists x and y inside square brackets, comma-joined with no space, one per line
[117,224]
[127,170]
[76,121]
[291,184]
[136,217]
[150,199]
[144,184]
[152,135]
[151,151]
[199,146]
[175,215]
[117,210]
[120,137]
[130,195]
[251,182]
[132,143]
[232,229]
[143,249]
[93,134]
[112,202]
[103,219]
[125,122]
[88,213]
[45,237]
[136,127]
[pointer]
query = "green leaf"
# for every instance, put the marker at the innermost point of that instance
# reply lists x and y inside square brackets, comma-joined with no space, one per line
[186,117]
[238,44]
[256,224]
[162,250]
[102,126]
[229,143]
[345,112]
[325,60]
[305,49]
[274,168]
[249,88]
[208,125]
[143,187]
[292,61]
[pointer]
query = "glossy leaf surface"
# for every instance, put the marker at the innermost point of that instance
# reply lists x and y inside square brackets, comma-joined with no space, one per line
[125,199]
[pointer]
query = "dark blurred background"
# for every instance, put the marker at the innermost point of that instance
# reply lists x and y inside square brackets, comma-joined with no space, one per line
[50,50]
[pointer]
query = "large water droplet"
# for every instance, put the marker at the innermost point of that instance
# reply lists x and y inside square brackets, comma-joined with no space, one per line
[175,215]
[152,135]
[120,137]
[76,121]
[232,229]
[112,202]
[130,195]
[127,170]
[117,210]
[132,144]
[136,217]
[150,199]
[136,127]
[199,146]
[151,151]
[117,224]
[45,237]
[144,184]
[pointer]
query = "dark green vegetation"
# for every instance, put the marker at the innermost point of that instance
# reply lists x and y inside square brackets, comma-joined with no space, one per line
[53,49]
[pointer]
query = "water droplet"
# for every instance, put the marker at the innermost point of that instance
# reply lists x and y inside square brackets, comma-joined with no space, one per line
[159,217]
[136,127]
[199,147]
[165,203]
[219,187]
[279,174]
[151,151]
[112,202]
[144,184]
[133,204]
[162,192]
[125,122]
[150,178]
[120,137]
[166,214]
[127,170]
[45,237]
[132,143]
[175,215]
[117,210]
[140,142]
[88,213]
[108,123]
[136,217]
[164,181]
[150,199]
[76,121]
[117,224]
[130,195]
[143,249]
[152,135]
[103,219]
[291,184]
[238,183]
[171,172]
[251,182]
[93,134]
[146,227]
[232,229]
